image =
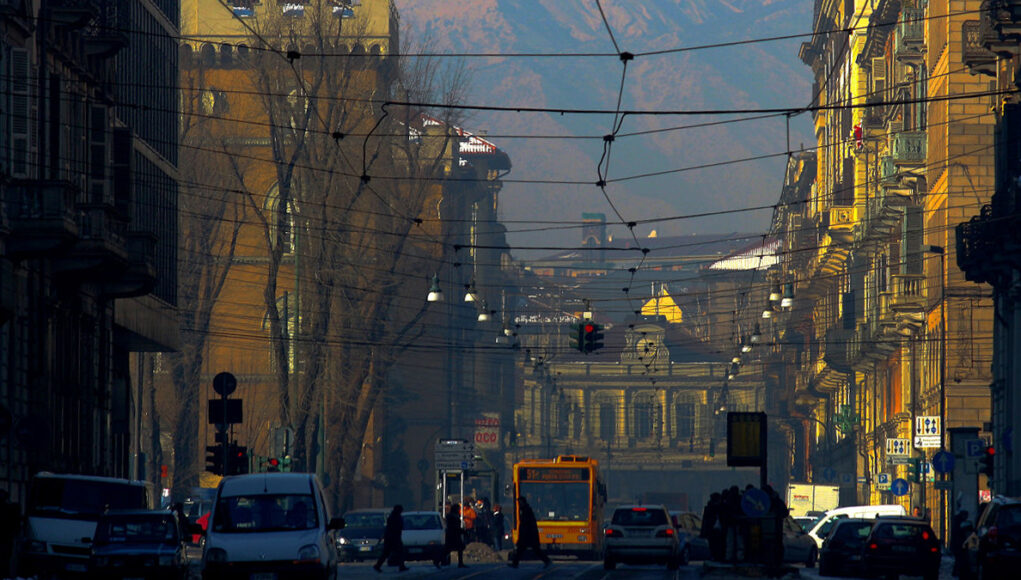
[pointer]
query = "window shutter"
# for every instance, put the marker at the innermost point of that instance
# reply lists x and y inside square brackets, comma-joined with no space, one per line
[878,76]
[21,113]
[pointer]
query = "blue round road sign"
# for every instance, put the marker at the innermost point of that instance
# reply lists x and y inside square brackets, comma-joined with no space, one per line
[899,486]
[755,502]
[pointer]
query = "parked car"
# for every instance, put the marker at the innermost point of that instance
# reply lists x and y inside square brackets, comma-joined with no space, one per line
[798,546]
[805,521]
[993,549]
[642,535]
[690,525]
[821,528]
[362,536]
[270,525]
[139,544]
[901,546]
[841,552]
[423,536]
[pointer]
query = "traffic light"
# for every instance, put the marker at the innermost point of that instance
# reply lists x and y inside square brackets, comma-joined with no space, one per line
[271,464]
[915,470]
[238,455]
[986,462]
[577,337]
[285,463]
[593,336]
[214,459]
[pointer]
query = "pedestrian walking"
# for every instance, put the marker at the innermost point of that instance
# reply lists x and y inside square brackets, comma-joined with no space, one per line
[454,538]
[498,527]
[10,526]
[712,528]
[528,534]
[393,545]
[468,517]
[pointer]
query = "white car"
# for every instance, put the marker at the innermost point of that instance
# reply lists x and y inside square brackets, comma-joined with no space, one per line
[269,525]
[639,534]
[423,536]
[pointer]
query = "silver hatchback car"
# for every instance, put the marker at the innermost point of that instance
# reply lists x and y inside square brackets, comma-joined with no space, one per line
[639,534]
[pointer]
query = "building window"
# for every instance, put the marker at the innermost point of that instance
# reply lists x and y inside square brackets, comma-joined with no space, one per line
[643,418]
[685,417]
[607,421]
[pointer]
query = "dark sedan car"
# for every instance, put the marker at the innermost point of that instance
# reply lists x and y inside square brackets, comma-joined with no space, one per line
[362,536]
[993,550]
[901,546]
[841,552]
[139,544]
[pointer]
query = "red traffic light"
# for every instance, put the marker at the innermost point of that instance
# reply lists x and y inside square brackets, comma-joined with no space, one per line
[990,450]
[273,462]
[589,328]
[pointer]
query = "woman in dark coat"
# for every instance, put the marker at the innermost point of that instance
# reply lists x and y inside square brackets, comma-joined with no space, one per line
[528,534]
[454,539]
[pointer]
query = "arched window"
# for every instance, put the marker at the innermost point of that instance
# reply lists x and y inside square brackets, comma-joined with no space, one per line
[607,410]
[644,416]
[281,220]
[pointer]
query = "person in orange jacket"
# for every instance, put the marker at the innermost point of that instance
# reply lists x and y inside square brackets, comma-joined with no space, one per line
[468,512]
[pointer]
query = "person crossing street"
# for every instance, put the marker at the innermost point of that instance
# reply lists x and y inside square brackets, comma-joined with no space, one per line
[528,534]
[393,545]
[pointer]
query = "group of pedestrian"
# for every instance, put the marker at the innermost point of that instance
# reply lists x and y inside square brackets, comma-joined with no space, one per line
[725,526]
[456,535]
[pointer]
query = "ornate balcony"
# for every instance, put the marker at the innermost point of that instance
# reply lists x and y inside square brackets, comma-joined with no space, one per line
[839,221]
[100,252]
[140,276]
[985,251]
[908,293]
[908,149]
[909,38]
[974,54]
[40,216]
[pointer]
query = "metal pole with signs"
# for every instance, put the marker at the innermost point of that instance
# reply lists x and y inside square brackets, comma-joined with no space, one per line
[746,442]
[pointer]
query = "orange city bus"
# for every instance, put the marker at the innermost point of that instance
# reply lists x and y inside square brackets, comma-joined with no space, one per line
[567,496]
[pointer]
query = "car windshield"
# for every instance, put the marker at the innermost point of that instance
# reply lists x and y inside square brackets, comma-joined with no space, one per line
[825,528]
[1009,516]
[262,513]
[639,517]
[422,522]
[83,499]
[139,529]
[851,531]
[365,520]
[902,532]
[557,502]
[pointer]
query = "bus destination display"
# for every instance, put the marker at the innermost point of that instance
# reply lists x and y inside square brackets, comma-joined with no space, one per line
[553,474]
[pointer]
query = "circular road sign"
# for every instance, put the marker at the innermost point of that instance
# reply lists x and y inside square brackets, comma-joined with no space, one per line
[755,502]
[899,486]
[224,384]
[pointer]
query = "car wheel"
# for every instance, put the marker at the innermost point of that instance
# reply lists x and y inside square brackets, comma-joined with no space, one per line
[609,564]
[810,562]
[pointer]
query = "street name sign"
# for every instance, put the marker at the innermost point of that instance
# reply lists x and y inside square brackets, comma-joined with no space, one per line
[454,454]
[928,442]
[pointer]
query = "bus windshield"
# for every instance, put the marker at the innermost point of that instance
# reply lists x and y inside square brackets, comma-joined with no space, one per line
[557,502]
[83,498]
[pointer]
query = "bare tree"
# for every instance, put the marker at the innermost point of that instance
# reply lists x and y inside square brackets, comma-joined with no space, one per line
[211,177]
[355,177]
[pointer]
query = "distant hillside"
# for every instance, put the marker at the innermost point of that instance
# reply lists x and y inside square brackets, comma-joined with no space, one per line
[759,75]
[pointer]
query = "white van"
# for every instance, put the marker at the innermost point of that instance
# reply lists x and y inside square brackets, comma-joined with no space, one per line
[822,526]
[268,526]
[61,518]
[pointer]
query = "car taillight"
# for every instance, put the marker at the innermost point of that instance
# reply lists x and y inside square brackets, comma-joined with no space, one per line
[610,532]
[934,549]
[873,546]
[665,533]
[925,534]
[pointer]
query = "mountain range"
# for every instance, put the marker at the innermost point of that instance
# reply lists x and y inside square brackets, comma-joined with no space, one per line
[563,55]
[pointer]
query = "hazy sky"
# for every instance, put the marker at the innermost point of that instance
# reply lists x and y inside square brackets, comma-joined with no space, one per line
[658,166]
